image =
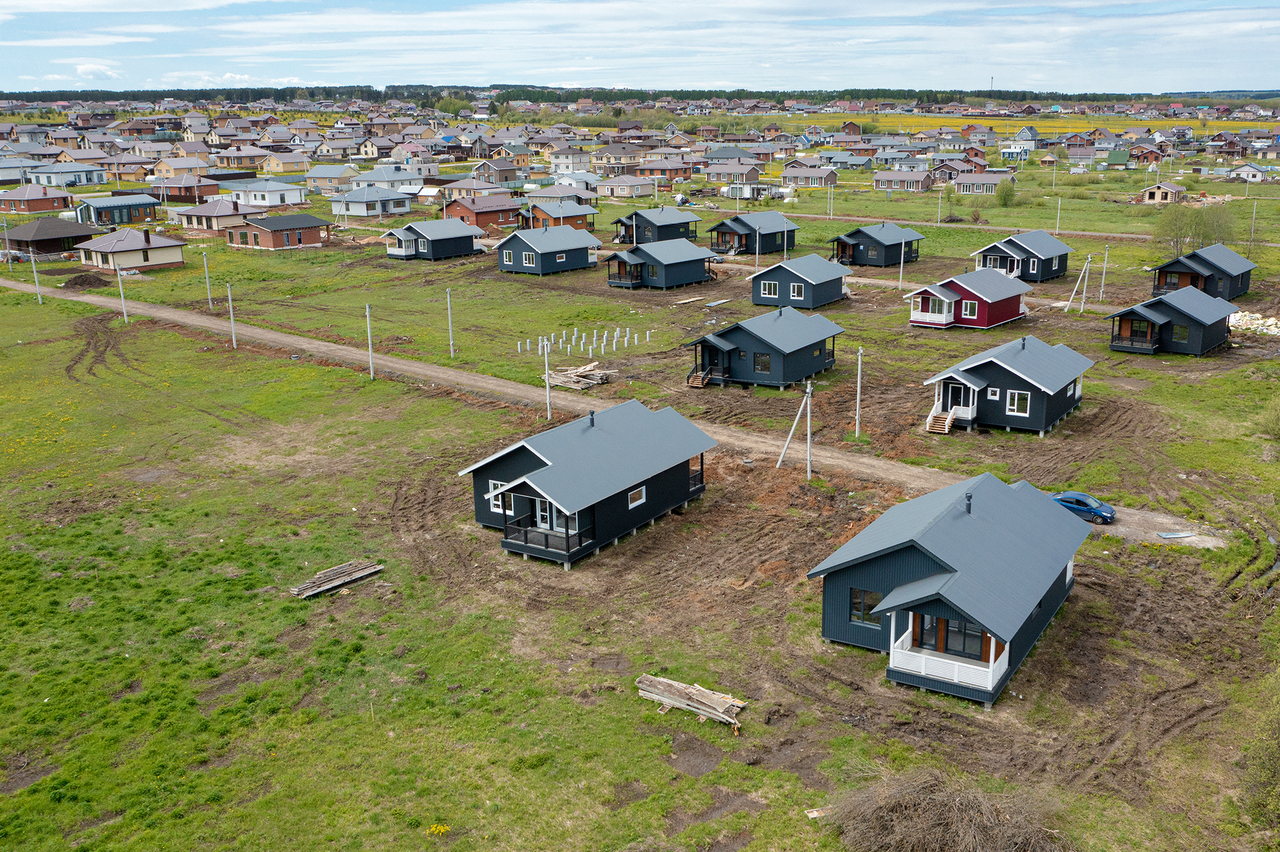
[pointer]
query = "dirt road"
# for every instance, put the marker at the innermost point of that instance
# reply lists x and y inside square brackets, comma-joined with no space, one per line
[1133,524]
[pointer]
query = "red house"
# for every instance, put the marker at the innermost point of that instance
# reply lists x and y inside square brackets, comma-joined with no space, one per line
[983,298]
[500,211]
[298,230]
[33,198]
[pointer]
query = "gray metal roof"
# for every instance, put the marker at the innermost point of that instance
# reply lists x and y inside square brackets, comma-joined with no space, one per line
[810,267]
[559,238]
[788,330]
[564,209]
[49,228]
[991,285]
[122,201]
[1041,243]
[288,223]
[937,291]
[270,186]
[442,229]
[1225,259]
[1197,304]
[1047,367]
[662,216]
[766,222]
[673,251]
[370,193]
[222,207]
[998,560]
[886,234]
[627,445]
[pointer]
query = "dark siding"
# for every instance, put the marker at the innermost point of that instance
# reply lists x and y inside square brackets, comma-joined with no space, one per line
[683,230]
[446,248]
[676,274]
[543,264]
[881,574]
[814,295]
[663,492]
[508,468]
[1045,409]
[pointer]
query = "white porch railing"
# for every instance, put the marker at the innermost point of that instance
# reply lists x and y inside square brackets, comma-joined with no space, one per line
[925,316]
[964,412]
[946,667]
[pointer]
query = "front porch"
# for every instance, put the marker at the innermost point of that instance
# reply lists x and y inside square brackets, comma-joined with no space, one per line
[728,243]
[533,535]
[951,674]
[954,403]
[1129,334]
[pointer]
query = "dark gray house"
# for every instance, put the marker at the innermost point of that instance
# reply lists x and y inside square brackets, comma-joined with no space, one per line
[1186,321]
[1215,269]
[655,225]
[437,239]
[776,349]
[885,244]
[738,234]
[801,282]
[567,492]
[545,251]
[956,586]
[1031,256]
[1025,384]
[665,264]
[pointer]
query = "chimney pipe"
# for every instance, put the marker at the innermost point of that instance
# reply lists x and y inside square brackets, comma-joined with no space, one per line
[968,502]
[591,418]
[235,206]
[146,236]
[1024,343]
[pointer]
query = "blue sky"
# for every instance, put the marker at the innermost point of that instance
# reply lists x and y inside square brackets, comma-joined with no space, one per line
[1060,45]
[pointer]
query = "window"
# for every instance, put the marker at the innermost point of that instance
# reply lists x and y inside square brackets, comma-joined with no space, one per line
[1033,265]
[964,639]
[527,258]
[797,290]
[559,259]
[1171,279]
[506,257]
[1019,403]
[255,239]
[861,602]
[244,238]
[993,393]
[762,362]
[1139,328]
[769,289]
[929,632]
[990,261]
[651,270]
[969,310]
[635,498]
[500,503]
[231,237]
[1071,389]
[1180,333]
[873,252]
[299,239]
[146,256]
[1055,262]
[915,304]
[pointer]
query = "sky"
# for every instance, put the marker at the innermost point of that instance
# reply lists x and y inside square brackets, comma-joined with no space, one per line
[1055,45]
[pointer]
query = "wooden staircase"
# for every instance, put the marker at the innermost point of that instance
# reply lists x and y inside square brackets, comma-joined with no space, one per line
[940,423]
[698,380]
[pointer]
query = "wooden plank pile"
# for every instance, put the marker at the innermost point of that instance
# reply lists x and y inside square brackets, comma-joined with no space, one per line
[696,699]
[333,578]
[580,378]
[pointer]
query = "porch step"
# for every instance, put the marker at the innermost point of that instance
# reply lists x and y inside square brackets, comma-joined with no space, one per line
[940,423]
[698,380]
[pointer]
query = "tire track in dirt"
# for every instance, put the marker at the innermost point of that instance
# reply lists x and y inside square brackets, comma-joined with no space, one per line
[100,343]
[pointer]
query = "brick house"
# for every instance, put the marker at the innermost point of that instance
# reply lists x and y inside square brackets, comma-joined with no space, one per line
[273,233]
[484,211]
[34,199]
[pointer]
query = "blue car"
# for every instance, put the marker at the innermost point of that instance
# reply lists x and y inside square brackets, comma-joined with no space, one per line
[1086,506]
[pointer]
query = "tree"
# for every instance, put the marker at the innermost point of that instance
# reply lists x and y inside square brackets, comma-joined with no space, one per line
[1060,151]
[949,193]
[1213,225]
[1006,195]
[1174,229]
[452,105]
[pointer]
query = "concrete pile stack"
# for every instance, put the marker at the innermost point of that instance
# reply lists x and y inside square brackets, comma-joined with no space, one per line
[1256,323]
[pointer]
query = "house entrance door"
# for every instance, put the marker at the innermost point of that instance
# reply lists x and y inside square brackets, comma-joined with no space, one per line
[956,396]
[542,514]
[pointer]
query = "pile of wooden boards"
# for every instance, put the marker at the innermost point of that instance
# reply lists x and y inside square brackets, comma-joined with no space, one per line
[580,378]
[695,699]
[336,577]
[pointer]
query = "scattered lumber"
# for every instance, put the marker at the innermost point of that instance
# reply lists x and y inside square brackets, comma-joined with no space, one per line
[336,577]
[814,813]
[580,378]
[696,699]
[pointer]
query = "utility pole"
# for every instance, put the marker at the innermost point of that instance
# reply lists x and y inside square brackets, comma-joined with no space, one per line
[232,311]
[902,259]
[808,429]
[207,289]
[1102,287]
[448,302]
[940,206]
[757,247]
[120,283]
[1057,228]
[368,327]
[857,405]
[36,273]
[8,252]
[546,372]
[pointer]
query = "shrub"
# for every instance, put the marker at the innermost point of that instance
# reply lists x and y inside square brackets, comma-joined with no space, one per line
[1006,195]
[1262,775]
[1271,418]
[925,810]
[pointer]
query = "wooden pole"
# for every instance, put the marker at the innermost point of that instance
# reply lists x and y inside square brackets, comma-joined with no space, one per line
[857,406]
[207,289]
[448,301]
[546,373]
[232,312]
[368,326]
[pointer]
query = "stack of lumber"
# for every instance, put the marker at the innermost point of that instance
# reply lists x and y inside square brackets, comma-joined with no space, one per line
[580,378]
[695,699]
[333,578]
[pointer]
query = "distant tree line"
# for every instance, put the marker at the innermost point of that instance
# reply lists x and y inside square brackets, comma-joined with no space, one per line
[244,95]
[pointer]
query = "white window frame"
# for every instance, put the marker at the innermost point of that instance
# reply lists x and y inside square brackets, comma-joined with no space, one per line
[769,289]
[560,258]
[968,309]
[797,290]
[526,258]
[498,503]
[1011,403]
[1033,265]
[993,393]
[422,245]
[989,261]
[1079,387]
[506,257]
[916,304]
[636,497]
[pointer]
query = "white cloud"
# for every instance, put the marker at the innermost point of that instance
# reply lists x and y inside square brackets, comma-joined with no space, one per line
[97,71]
[87,40]
[144,28]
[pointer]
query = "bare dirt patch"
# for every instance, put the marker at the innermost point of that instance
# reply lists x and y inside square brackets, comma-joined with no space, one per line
[628,794]
[100,348]
[20,772]
[723,803]
[692,756]
[87,281]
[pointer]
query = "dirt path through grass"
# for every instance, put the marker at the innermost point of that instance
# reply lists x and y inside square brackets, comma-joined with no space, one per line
[1133,524]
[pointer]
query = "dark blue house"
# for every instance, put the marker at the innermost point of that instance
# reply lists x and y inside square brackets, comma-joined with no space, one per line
[655,225]
[885,244]
[545,251]
[437,239]
[776,349]
[956,586]
[741,234]
[1024,384]
[567,492]
[1031,256]
[665,264]
[1186,321]
[801,282]
[1215,269]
